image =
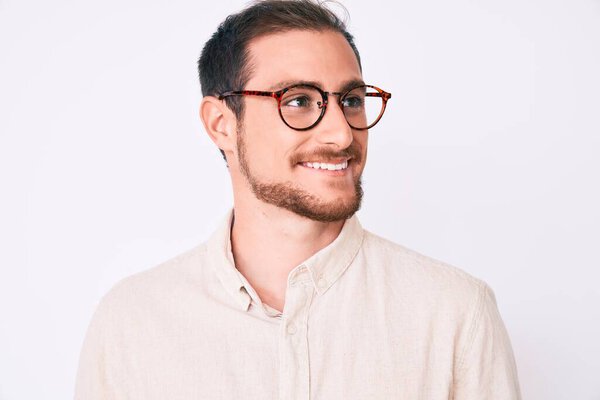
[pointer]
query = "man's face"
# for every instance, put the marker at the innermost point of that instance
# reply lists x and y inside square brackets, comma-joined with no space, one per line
[273,157]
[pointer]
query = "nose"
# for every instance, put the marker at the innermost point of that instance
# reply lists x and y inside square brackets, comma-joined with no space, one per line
[333,128]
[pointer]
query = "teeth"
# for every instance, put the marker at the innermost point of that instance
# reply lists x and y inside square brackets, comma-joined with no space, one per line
[330,167]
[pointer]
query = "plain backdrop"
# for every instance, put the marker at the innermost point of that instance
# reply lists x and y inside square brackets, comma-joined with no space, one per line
[487,159]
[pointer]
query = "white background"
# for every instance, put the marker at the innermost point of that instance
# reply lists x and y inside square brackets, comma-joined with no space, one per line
[487,158]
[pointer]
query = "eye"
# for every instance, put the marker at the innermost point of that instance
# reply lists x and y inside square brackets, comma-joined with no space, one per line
[298,101]
[353,101]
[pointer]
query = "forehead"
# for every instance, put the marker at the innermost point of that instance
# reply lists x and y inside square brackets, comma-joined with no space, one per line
[324,57]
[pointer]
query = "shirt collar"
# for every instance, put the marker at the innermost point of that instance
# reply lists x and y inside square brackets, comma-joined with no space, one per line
[324,267]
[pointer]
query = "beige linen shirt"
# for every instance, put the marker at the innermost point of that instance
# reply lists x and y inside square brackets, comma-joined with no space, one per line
[364,318]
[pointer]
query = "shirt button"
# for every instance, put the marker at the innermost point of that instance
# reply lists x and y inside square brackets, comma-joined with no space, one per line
[291,329]
[321,283]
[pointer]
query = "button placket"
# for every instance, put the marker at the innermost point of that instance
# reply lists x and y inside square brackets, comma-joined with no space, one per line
[291,329]
[293,346]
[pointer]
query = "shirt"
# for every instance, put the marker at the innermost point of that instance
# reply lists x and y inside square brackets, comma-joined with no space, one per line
[364,318]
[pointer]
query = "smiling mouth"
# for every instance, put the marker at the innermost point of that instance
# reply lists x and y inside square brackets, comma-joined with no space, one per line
[339,166]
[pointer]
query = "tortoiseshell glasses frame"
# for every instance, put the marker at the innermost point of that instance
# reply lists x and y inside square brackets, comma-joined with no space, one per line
[278,95]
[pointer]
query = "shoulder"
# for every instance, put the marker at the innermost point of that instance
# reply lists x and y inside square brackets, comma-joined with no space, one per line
[143,291]
[420,275]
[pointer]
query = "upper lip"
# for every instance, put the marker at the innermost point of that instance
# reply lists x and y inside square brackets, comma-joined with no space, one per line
[335,161]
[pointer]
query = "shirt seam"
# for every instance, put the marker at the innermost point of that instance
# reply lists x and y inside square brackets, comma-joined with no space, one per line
[474,325]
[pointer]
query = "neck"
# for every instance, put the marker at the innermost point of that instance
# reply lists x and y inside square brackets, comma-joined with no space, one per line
[268,242]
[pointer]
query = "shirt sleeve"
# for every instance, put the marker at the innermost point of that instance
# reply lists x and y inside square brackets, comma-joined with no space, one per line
[487,369]
[92,381]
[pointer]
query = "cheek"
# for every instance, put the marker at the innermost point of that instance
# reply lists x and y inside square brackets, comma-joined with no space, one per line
[362,138]
[269,144]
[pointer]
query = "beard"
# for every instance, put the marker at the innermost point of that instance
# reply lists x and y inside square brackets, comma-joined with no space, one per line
[289,196]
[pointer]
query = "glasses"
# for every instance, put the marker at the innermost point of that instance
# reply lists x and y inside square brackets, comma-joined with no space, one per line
[302,106]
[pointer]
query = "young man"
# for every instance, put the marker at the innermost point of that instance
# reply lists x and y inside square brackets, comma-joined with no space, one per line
[291,298]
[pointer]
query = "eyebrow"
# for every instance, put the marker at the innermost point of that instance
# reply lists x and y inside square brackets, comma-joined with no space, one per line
[347,85]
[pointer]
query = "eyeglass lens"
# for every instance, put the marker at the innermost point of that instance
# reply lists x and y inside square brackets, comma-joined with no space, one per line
[301,106]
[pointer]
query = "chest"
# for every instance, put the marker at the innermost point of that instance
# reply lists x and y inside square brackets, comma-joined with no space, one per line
[315,350]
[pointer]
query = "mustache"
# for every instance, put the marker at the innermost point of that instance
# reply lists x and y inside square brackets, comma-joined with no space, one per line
[326,154]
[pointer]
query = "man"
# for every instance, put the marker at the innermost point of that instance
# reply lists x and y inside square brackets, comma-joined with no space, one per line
[291,298]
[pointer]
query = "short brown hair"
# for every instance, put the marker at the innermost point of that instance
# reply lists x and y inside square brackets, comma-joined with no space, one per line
[223,64]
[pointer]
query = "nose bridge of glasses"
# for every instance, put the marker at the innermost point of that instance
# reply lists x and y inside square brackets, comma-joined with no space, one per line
[326,99]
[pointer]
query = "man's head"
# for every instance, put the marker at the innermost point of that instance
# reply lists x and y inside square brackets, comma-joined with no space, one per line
[225,64]
[266,47]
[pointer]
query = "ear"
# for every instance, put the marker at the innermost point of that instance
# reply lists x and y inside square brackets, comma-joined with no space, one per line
[219,123]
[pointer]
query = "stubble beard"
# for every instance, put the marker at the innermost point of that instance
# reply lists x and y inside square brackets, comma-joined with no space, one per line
[288,196]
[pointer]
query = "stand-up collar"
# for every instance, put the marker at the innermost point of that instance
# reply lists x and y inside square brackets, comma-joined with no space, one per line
[324,267]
